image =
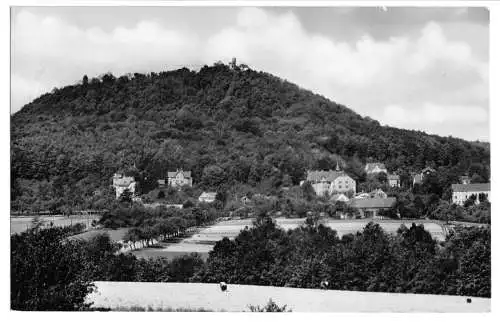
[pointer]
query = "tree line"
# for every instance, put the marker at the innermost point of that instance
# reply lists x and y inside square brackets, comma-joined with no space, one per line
[50,271]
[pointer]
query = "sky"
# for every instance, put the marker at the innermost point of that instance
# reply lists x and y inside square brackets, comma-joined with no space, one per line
[413,68]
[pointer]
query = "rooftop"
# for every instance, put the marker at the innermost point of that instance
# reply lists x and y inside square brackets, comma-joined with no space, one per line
[186,174]
[374,202]
[471,187]
[316,176]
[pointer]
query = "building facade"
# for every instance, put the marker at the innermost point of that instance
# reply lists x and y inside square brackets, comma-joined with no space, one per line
[180,178]
[371,207]
[462,192]
[121,183]
[331,182]
[394,180]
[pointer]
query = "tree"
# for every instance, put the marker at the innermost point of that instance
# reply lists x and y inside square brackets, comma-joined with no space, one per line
[126,196]
[48,272]
[471,201]
[308,191]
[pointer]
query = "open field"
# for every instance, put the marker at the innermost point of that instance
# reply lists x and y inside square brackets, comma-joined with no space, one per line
[203,241]
[21,224]
[162,253]
[233,227]
[237,298]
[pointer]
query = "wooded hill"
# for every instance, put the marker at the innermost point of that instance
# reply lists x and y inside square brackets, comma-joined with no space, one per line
[226,124]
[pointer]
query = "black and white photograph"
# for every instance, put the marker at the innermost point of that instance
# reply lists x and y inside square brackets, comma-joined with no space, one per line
[283,157]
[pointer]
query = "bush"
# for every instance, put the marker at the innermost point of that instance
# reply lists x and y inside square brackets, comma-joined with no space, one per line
[270,307]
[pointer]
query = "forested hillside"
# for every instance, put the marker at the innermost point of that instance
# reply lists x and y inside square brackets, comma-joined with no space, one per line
[227,124]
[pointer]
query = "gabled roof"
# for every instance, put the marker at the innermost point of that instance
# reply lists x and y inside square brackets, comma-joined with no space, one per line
[470,187]
[340,197]
[374,202]
[428,169]
[371,166]
[186,174]
[330,176]
[122,181]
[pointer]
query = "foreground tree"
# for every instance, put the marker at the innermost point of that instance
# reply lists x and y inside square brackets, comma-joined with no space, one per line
[48,272]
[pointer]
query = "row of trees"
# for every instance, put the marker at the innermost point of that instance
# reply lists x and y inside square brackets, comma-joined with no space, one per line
[409,262]
[50,271]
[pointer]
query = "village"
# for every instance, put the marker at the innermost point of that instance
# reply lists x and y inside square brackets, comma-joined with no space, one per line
[336,186]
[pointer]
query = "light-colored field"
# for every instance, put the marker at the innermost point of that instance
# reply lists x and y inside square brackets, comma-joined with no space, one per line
[232,228]
[21,224]
[238,297]
[203,241]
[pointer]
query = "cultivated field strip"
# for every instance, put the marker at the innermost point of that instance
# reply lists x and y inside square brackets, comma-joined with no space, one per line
[237,298]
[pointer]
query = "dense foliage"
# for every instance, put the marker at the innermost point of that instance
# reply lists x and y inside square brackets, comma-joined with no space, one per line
[48,272]
[51,271]
[231,127]
[409,262]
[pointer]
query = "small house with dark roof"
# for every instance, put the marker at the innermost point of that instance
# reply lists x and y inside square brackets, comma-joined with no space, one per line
[462,192]
[394,180]
[374,168]
[370,207]
[419,177]
[180,178]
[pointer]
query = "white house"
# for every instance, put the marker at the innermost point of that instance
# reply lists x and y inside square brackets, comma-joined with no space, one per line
[394,180]
[462,192]
[180,178]
[121,183]
[373,168]
[331,182]
[207,197]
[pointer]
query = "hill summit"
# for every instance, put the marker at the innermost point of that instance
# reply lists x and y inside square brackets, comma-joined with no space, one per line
[227,124]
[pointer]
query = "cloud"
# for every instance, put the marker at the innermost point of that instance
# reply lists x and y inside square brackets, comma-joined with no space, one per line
[426,75]
[432,114]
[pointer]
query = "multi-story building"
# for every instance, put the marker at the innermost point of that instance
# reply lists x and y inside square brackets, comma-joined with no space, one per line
[180,178]
[331,182]
[462,192]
